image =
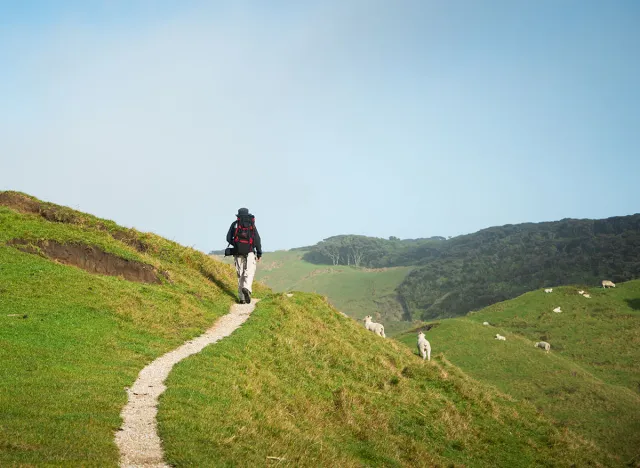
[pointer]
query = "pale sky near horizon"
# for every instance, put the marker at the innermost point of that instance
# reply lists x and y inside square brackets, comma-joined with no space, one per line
[408,118]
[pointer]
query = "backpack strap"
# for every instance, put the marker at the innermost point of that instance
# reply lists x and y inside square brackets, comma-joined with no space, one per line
[235,234]
[253,223]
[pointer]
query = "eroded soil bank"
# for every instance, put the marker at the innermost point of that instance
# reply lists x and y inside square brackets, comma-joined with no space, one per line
[91,259]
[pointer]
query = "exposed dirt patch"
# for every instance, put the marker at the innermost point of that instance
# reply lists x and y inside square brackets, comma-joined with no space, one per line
[48,211]
[61,214]
[91,259]
[19,202]
[131,240]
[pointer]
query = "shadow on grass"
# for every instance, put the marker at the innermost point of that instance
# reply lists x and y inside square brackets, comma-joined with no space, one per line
[634,303]
[229,292]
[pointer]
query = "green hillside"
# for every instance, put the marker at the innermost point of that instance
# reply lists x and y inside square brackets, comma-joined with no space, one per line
[86,304]
[453,276]
[71,341]
[355,291]
[589,382]
[310,387]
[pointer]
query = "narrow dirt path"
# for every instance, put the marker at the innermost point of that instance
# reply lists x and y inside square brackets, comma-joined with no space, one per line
[138,439]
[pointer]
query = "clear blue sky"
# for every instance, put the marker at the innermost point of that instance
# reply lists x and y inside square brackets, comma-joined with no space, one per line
[384,118]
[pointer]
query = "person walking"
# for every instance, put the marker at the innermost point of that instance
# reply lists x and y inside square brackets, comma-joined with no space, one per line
[244,237]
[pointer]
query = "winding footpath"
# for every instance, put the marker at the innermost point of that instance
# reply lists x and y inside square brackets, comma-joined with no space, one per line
[138,439]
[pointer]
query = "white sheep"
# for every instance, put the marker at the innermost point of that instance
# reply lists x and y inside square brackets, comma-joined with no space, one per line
[376,328]
[606,283]
[485,323]
[580,292]
[543,345]
[424,347]
[557,310]
[588,296]
[548,290]
[500,337]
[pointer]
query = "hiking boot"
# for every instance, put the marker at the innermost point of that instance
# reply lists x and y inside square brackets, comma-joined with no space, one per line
[241,300]
[247,295]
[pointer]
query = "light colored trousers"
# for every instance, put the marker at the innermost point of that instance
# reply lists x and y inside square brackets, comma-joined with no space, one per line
[246,269]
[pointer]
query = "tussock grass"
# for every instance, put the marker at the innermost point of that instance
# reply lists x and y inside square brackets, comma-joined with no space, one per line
[301,382]
[589,383]
[71,341]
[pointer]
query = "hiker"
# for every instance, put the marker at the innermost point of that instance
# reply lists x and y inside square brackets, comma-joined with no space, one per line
[244,238]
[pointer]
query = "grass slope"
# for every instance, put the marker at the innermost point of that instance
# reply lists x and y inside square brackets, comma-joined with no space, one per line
[311,387]
[298,380]
[355,291]
[589,382]
[71,341]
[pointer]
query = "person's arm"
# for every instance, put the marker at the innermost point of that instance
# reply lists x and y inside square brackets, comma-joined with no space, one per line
[232,231]
[257,243]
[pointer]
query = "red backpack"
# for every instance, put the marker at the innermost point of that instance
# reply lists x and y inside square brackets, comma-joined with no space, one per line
[243,237]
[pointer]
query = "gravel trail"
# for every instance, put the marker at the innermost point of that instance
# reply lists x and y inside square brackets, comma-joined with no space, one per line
[138,439]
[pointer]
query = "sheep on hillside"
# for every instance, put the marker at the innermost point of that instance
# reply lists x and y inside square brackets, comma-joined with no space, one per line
[485,323]
[557,310]
[500,337]
[543,345]
[608,283]
[424,347]
[376,328]
[588,296]
[548,290]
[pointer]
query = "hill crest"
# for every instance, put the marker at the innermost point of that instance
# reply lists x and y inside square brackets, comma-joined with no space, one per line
[72,341]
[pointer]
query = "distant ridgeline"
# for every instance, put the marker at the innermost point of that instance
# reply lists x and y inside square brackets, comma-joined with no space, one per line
[472,271]
[371,252]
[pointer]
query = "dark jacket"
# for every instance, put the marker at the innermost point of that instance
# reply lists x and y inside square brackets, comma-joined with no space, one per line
[257,246]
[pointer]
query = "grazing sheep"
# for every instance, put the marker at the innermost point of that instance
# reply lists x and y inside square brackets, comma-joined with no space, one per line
[557,310]
[548,290]
[376,328]
[485,323]
[606,283]
[424,347]
[580,292]
[588,296]
[543,345]
[289,295]
[500,337]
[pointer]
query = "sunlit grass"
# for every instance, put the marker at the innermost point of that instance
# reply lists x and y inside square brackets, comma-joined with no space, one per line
[355,291]
[304,384]
[70,341]
[590,380]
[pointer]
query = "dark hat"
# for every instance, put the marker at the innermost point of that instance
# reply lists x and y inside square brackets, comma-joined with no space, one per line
[243,211]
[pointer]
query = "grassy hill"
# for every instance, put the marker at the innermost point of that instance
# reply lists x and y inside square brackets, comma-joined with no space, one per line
[451,277]
[85,304]
[589,382]
[306,385]
[71,341]
[355,291]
